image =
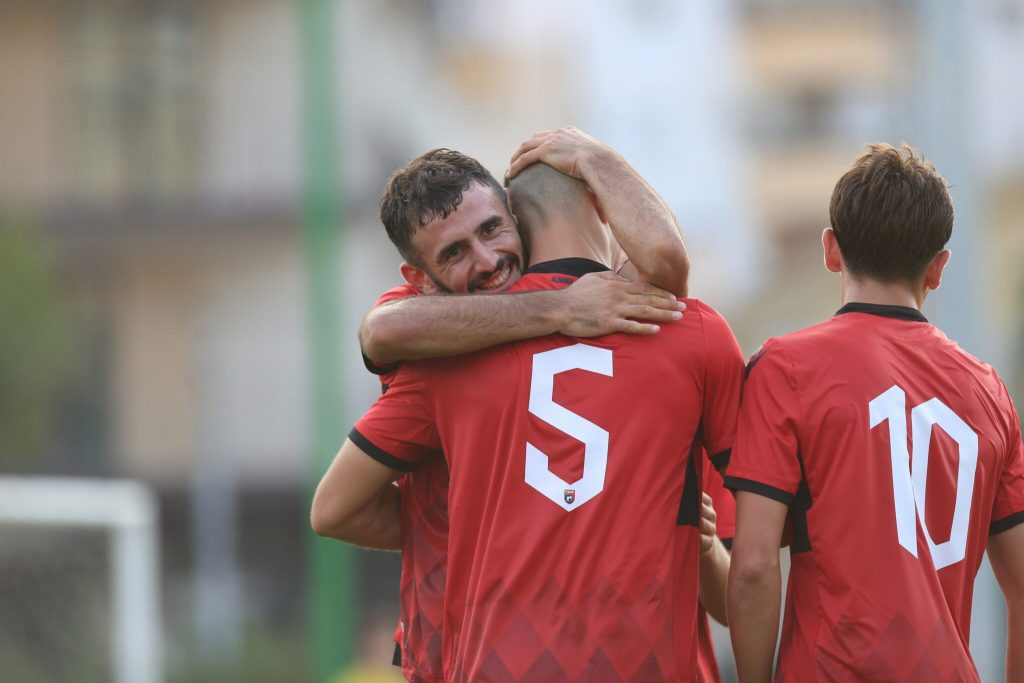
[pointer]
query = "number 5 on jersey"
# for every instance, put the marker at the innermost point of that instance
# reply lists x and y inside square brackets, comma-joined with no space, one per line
[546,365]
[909,490]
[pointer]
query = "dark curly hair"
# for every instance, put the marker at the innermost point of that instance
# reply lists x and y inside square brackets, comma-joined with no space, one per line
[429,187]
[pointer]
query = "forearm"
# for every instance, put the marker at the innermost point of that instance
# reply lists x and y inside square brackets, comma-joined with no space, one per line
[431,326]
[754,598]
[376,525]
[643,224]
[714,577]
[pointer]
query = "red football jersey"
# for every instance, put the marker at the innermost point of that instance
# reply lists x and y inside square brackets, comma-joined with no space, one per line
[424,515]
[898,454]
[573,548]
[725,509]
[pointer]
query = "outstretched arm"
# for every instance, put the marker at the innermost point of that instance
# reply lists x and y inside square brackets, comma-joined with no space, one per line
[1006,553]
[357,502]
[429,326]
[643,224]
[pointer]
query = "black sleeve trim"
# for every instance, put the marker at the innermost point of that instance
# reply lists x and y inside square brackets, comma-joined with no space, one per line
[378,369]
[727,542]
[396,659]
[1006,523]
[720,460]
[383,457]
[740,484]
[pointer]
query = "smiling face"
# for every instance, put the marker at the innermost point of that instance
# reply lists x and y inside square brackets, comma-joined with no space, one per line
[475,248]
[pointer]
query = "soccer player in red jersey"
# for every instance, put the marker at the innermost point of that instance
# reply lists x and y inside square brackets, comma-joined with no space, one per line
[596,306]
[564,567]
[893,456]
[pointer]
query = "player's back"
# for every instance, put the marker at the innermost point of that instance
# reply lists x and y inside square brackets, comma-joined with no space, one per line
[574,502]
[892,424]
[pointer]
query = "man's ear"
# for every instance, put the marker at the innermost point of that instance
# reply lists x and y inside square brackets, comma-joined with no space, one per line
[418,278]
[933,271]
[833,257]
[508,203]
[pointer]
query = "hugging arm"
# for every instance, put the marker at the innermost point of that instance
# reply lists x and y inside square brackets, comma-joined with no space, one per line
[641,221]
[357,501]
[714,564]
[433,325]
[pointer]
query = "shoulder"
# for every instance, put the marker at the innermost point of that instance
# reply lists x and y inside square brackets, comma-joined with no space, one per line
[402,291]
[714,328]
[704,315]
[782,354]
[537,281]
[799,345]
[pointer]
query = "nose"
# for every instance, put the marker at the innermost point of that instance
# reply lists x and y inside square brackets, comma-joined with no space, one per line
[485,258]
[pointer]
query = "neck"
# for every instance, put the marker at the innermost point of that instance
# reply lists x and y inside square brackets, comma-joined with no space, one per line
[568,238]
[868,291]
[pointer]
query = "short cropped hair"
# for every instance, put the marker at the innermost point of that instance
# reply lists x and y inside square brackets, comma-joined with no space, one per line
[429,187]
[891,213]
[539,191]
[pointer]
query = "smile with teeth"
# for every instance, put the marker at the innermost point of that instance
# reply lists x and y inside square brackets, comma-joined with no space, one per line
[499,279]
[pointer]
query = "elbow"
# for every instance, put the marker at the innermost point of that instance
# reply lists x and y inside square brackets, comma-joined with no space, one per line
[753,574]
[378,339]
[672,269]
[327,520]
[319,521]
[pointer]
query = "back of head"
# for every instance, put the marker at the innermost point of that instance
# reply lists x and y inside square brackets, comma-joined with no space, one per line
[540,195]
[427,188]
[891,213]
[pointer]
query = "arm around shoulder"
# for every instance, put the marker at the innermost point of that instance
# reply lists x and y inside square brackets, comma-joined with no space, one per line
[436,325]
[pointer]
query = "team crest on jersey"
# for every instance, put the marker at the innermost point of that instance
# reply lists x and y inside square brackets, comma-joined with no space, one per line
[570,496]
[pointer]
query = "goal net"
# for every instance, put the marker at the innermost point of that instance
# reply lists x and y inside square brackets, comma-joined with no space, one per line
[79,581]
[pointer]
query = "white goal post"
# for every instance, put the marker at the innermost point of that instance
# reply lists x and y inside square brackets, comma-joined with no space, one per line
[128,511]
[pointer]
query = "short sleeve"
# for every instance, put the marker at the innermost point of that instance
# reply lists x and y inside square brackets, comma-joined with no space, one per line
[765,456]
[1008,506]
[399,430]
[723,383]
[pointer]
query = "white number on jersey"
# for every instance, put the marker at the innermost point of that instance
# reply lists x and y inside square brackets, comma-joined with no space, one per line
[909,490]
[595,440]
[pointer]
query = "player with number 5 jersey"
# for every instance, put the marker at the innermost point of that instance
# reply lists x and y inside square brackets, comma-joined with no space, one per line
[894,455]
[574,504]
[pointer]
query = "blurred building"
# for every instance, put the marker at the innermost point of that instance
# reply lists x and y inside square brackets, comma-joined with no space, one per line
[157,147]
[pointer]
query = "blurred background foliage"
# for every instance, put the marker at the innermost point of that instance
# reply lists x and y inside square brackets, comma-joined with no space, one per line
[34,343]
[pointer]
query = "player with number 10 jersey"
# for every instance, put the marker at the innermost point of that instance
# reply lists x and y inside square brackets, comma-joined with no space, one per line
[574,504]
[850,422]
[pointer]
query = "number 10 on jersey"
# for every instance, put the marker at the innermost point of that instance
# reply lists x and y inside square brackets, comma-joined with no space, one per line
[909,489]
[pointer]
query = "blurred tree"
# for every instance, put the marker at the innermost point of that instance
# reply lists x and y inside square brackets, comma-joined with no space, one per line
[33,342]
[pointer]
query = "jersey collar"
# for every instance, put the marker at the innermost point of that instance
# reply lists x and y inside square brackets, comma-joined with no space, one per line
[884,310]
[577,267]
